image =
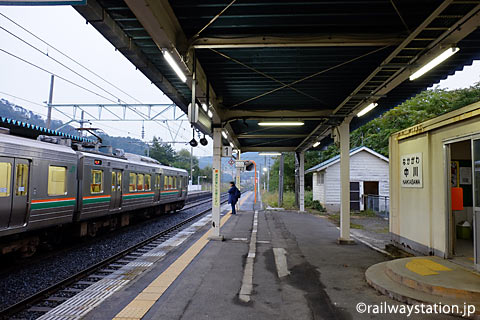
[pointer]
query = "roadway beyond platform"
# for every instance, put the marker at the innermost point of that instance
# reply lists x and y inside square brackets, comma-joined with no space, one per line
[272,265]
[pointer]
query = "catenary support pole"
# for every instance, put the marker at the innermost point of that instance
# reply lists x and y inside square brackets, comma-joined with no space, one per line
[216,177]
[343,132]
[50,101]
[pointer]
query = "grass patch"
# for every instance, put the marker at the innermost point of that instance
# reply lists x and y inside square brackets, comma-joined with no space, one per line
[336,219]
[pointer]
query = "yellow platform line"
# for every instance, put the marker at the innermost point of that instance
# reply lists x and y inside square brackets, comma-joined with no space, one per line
[140,305]
[425,267]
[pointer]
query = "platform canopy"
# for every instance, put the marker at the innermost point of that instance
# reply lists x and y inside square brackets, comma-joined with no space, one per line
[315,62]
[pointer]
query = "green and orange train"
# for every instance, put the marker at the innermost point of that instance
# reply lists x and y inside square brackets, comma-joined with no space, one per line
[50,182]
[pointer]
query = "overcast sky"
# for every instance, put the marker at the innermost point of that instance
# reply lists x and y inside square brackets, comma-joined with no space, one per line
[65,29]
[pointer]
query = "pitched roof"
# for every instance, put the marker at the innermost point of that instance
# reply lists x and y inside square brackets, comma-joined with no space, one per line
[327,163]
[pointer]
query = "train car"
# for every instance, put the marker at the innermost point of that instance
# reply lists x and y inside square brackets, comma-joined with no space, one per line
[50,183]
[38,187]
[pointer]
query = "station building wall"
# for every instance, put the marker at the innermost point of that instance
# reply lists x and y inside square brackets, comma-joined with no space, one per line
[419,216]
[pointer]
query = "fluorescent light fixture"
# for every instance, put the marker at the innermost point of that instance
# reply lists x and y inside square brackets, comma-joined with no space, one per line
[281,123]
[204,107]
[316,144]
[210,114]
[231,145]
[224,134]
[269,154]
[174,65]
[368,108]
[435,62]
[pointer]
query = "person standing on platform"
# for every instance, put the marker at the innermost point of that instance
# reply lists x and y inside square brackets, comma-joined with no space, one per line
[233,195]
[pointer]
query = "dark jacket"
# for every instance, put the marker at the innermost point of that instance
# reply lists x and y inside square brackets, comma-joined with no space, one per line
[233,195]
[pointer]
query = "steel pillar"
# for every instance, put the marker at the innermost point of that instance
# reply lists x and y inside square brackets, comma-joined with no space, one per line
[280,182]
[237,178]
[343,134]
[216,177]
[301,180]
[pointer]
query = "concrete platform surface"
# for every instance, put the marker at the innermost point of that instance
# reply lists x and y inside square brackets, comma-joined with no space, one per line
[272,265]
[426,279]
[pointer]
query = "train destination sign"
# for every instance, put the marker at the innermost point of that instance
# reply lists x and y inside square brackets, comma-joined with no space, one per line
[411,170]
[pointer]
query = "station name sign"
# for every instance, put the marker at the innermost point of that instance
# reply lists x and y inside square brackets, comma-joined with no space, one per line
[411,172]
[42,2]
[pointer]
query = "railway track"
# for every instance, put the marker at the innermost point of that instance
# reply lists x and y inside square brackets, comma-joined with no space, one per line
[43,301]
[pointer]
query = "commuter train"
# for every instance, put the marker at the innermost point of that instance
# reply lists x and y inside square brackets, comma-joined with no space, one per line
[52,182]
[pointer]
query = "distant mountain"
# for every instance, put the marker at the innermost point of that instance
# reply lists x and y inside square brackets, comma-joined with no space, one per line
[16,112]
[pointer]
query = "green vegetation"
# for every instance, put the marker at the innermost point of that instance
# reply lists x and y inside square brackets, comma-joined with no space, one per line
[374,134]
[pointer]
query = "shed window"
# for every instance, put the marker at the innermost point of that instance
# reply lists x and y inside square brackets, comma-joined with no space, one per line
[320,178]
[5,178]
[57,181]
[140,182]
[97,181]
[133,182]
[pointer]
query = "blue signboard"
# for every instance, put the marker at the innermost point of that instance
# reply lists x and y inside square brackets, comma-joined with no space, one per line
[42,2]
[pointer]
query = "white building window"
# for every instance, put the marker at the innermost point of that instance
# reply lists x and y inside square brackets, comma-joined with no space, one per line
[320,178]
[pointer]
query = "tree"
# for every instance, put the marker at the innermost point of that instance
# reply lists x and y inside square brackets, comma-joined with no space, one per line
[162,152]
[182,160]
[375,134]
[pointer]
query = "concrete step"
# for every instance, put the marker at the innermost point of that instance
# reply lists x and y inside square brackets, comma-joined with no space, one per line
[436,276]
[377,277]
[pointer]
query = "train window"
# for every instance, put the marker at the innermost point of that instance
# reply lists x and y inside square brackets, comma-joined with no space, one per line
[165,185]
[21,180]
[5,178]
[148,182]
[174,184]
[133,182]
[170,181]
[57,181]
[140,182]
[97,181]
[119,180]
[158,181]
[114,180]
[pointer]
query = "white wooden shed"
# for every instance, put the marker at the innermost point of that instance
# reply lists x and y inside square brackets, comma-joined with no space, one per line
[369,175]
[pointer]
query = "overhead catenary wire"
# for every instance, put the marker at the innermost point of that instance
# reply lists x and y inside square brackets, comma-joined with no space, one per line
[141,114]
[68,57]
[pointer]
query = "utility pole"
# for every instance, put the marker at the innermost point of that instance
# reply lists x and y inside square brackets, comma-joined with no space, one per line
[50,100]
[280,182]
[82,119]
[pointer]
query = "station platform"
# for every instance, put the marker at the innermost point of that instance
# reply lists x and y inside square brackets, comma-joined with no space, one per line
[272,265]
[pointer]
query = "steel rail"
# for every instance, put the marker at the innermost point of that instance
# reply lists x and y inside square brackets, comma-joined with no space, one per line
[22,305]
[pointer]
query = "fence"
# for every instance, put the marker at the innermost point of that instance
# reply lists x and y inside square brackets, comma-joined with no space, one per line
[378,204]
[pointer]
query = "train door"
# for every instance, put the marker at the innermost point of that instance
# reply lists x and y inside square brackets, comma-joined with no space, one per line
[14,177]
[158,186]
[116,195]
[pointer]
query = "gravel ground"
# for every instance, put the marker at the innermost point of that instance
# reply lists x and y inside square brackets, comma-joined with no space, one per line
[25,281]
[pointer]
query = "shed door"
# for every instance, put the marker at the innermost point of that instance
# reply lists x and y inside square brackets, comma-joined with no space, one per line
[355,196]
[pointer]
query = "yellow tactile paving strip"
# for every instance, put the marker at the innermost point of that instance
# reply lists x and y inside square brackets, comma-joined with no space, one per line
[425,267]
[140,305]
